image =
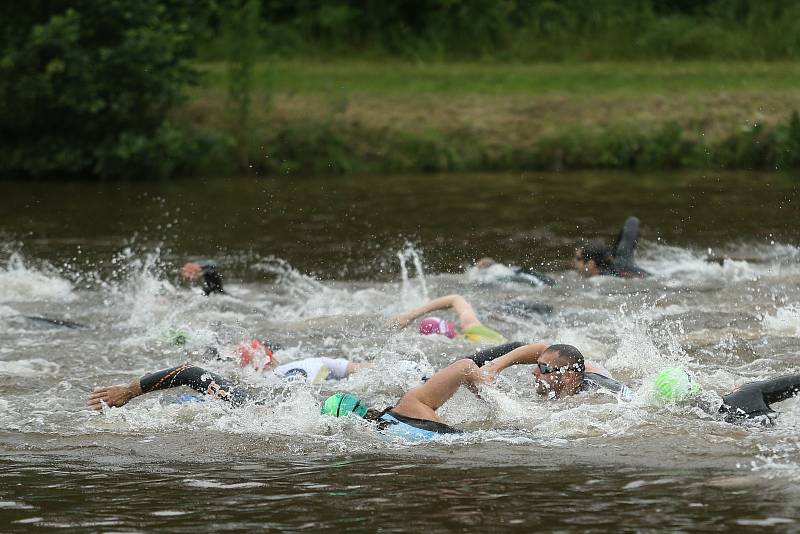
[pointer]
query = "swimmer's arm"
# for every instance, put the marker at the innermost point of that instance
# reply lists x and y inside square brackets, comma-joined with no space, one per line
[194,377]
[118,395]
[352,367]
[525,355]
[625,245]
[466,314]
[780,388]
[121,394]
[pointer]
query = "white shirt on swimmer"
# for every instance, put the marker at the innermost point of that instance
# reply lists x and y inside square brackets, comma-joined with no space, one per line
[314,370]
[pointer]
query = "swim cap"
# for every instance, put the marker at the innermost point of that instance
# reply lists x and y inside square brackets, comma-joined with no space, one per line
[341,404]
[434,325]
[674,384]
[176,336]
[254,353]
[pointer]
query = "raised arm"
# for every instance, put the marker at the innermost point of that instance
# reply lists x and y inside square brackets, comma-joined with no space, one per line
[466,314]
[526,355]
[625,246]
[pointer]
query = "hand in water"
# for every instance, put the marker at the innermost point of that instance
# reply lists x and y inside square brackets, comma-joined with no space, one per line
[111,395]
[488,373]
[191,271]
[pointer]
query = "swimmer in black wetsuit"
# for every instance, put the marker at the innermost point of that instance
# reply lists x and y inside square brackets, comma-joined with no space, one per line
[489,270]
[207,270]
[561,371]
[251,353]
[197,378]
[595,258]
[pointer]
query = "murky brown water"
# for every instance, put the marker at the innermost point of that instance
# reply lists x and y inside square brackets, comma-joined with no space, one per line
[106,256]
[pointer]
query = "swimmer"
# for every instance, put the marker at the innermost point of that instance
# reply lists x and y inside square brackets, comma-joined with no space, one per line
[207,270]
[472,328]
[560,371]
[749,401]
[489,270]
[595,258]
[44,322]
[250,353]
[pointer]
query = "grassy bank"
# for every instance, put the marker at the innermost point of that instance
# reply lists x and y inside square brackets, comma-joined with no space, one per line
[394,116]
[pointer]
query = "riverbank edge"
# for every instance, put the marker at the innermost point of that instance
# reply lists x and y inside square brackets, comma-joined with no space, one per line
[334,147]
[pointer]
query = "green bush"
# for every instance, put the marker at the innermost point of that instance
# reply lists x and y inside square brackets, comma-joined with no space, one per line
[85,86]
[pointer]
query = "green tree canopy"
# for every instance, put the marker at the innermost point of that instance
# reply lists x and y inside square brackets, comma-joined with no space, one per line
[85,86]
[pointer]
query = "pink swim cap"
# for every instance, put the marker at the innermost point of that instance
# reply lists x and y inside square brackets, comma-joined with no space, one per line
[434,325]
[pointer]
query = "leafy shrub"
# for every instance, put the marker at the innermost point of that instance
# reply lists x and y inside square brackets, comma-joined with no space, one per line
[85,86]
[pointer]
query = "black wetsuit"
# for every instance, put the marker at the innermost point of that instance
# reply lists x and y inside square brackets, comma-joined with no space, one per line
[48,322]
[212,280]
[753,399]
[595,382]
[530,277]
[622,263]
[197,378]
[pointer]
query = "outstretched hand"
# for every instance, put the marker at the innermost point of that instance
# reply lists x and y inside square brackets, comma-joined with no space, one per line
[111,396]
[397,322]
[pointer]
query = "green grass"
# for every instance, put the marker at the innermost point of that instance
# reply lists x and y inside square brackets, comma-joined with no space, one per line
[395,78]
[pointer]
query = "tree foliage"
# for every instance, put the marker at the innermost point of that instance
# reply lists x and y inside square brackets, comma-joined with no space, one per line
[535,29]
[85,86]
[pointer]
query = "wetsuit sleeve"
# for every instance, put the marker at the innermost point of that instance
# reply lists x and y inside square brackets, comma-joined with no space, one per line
[197,378]
[486,355]
[541,278]
[625,246]
[753,399]
[781,388]
[212,280]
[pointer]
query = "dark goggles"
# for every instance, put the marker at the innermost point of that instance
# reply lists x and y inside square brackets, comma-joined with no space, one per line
[546,369]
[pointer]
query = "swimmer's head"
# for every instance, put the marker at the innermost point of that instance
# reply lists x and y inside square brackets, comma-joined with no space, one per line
[592,258]
[254,353]
[342,404]
[675,385]
[485,262]
[192,270]
[435,325]
[559,371]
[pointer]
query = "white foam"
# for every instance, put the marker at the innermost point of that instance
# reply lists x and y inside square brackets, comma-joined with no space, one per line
[32,367]
[21,283]
[785,321]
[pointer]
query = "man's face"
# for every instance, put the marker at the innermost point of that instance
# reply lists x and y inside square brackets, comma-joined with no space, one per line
[584,268]
[558,383]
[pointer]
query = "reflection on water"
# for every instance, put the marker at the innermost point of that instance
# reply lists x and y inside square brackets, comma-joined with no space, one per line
[105,256]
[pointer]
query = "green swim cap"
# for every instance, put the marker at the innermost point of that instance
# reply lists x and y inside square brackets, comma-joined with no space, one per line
[176,336]
[675,384]
[342,404]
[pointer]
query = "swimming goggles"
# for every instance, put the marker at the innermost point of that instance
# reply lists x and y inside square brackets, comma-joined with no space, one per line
[547,369]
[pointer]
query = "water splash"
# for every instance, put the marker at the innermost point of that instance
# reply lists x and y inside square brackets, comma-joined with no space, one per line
[21,282]
[410,256]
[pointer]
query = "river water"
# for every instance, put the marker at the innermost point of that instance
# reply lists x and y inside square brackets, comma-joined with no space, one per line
[317,265]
